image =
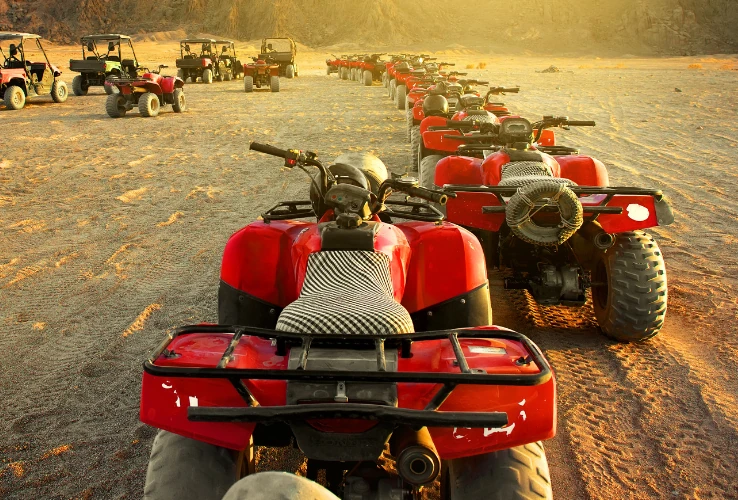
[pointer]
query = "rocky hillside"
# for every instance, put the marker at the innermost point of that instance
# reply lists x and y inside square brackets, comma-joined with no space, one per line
[623,26]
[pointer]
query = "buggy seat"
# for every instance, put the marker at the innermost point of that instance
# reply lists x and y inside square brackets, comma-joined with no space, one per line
[346,292]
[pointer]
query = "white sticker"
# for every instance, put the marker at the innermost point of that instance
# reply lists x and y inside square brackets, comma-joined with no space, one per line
[638,212]
[193,400]
[480,349]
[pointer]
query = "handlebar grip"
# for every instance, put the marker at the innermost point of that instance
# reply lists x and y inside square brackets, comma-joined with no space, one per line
[580,123]
[427,194]
[267,149]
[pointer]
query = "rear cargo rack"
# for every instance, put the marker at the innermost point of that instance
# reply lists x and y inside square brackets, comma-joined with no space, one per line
[428,416]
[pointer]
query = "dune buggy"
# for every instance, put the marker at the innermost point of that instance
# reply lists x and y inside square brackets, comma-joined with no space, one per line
[281,51]
[149,93]
[205,64]
[20,77]
[229,65]
[102,58]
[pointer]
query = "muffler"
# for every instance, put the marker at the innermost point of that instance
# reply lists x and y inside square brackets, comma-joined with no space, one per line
[599,238]
[418,462]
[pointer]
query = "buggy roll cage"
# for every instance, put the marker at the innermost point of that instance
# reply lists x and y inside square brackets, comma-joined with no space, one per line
[108,38]
[429,416]
[22,37]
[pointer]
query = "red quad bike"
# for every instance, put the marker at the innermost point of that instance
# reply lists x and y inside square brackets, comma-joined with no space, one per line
[344,335]
[149,93]
[355,65]
[389,67]
[333,65]
[261,73]
[468,106]
[372,69]
[343,69]
[21,78]
[550,217]
[418,88]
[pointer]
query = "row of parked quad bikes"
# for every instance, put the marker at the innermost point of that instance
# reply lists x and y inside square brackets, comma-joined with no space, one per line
[356,325]
[109,61]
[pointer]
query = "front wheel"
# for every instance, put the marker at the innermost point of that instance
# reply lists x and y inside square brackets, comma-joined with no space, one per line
[148,104]
[179,102]
[629,290]
[78,86]
[512,474]
[180,467]
[59,92]
[110,89]
[248,83]
[274,84]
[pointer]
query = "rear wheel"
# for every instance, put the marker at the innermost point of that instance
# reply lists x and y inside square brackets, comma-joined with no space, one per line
[207,75]
[248,83]
[392,87]
[180,74]
[415,139]
[409,119]
[78,86]
[427,171]
[629,288]
[180,467]
[14,98]
[344,73]
[385,81]
[179,103]
[59,92]
[368,78]
[401,96]
[274,84]
[115,106]
[148,104]
[227,76]
[519,473]
[289,71]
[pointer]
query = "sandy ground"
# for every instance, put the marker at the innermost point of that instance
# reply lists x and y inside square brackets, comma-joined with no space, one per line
[111,233]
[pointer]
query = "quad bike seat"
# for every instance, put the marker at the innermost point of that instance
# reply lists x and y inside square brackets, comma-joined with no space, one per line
[470,100]
[346,292]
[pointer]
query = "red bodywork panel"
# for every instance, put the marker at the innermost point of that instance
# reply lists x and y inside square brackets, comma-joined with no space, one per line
[6,75]
[531,410]
[466,208]
[429,263]
[260,68]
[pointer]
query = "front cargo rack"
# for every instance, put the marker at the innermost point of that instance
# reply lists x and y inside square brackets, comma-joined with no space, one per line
[429,416]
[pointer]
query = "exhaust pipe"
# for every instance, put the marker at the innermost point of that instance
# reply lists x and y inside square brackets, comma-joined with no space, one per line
[599,238]
[418,462]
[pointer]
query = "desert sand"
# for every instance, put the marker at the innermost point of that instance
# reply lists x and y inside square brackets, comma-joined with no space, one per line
[111,233]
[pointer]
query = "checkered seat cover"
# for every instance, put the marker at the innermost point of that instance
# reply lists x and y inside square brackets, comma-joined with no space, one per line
[346,292]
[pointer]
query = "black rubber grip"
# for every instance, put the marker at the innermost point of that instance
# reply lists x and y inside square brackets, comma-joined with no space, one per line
[267,149]
[427,194]
[576,123]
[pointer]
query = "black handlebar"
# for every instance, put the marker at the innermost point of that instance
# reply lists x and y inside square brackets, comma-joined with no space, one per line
[581,123]
[267,149]
[427,194]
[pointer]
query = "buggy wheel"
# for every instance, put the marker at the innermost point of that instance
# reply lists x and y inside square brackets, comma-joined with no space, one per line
[415,140]
[59,92]
[227,76]
[14,97]
[115,106]
[179,102]
[368,78]
[513,474]
[401,96]
[289,72]
[427,171]
[180,467]
[78,86]
[180,74]
[629,291]
[219,77]
[274,84]
[207,75]
[148,104]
